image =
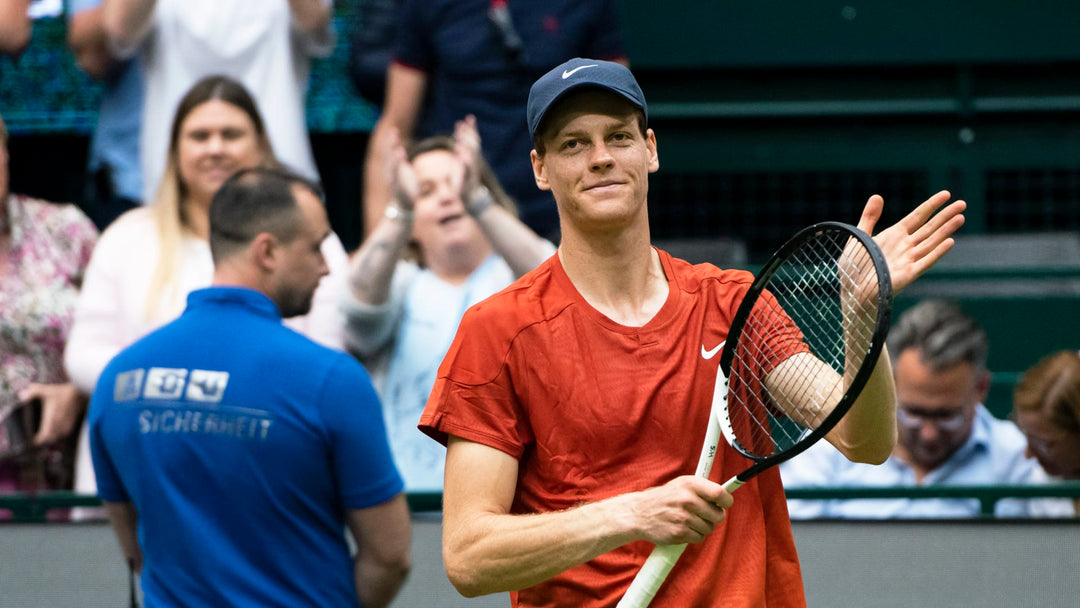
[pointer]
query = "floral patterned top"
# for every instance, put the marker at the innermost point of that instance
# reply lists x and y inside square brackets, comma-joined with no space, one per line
[46,256]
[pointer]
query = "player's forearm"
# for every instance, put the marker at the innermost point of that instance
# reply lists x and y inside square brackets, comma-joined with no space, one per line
[494,553]
[515,242]
[371,269]
[868,430]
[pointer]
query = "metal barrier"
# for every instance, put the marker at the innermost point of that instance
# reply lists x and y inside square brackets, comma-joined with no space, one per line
[34,507]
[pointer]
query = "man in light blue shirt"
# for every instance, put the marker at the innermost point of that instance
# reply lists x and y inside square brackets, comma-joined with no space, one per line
[946,436]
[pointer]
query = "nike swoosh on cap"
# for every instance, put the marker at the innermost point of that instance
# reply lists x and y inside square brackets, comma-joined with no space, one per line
[568,73]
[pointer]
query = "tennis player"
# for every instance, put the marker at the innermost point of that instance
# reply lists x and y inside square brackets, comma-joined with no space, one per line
[574,403]
[232,452]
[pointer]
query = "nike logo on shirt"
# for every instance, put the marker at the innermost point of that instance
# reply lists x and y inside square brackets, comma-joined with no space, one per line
[568,73]
[709,354]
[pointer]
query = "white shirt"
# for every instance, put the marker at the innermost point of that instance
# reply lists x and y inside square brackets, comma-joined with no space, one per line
[253,41]
[402,343]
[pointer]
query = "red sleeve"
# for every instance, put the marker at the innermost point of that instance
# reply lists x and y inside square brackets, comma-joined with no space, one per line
[474,395]
[767,339]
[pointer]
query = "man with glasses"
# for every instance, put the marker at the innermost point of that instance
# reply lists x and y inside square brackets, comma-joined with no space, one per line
[946,435]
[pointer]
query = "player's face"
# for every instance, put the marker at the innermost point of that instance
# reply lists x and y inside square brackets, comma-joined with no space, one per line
[216,140]
[440,218]
[596,161]
[303,262]
[935,408]
[1057,450]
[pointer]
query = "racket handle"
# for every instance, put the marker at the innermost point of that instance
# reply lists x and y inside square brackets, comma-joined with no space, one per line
[733,484]
[651,576]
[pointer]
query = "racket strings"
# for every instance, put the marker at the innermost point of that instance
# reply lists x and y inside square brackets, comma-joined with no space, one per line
[807,334]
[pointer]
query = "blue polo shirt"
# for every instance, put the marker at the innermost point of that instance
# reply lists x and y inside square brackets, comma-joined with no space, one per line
[470,72]
[241,444]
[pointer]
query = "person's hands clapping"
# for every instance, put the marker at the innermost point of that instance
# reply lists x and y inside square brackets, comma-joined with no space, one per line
[400,175]
[476,197]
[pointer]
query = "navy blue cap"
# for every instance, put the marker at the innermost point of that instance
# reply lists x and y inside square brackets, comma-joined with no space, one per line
[576,73]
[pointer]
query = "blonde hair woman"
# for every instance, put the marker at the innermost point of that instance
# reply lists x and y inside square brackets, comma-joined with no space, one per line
[150,258]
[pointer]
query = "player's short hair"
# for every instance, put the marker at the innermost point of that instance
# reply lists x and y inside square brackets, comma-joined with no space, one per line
[944,334]
[254,201]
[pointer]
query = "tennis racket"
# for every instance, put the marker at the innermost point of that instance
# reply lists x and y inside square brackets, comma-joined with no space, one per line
[802,345]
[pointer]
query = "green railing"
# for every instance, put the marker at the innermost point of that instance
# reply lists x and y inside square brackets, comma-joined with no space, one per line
[986,495]
[34,507]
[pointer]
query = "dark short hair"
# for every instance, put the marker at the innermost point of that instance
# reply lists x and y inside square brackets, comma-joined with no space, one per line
[254,201]
[944,333]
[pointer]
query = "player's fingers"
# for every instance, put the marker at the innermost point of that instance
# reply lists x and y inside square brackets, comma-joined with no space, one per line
[924,263]
[918,216]
[942,224]
[713,493]
[928,241]
[871,213]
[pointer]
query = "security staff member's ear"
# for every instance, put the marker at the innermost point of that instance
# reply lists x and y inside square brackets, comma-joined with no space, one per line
[265,251]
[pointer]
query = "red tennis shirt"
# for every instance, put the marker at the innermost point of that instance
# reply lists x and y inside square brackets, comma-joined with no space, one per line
[593,409]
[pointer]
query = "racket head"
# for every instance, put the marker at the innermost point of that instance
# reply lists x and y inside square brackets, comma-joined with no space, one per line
[817,314]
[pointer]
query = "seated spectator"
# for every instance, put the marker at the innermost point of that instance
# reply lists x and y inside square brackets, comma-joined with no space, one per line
[1046,407]
[946,435]
[150,258]
[15,27]
[113,175]
[449,240]
[44,250]
[265,44]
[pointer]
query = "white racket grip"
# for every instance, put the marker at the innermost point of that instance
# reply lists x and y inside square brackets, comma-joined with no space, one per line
[733,484]
[652,574]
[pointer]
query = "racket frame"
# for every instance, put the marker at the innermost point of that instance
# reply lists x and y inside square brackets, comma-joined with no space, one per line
[851,393]
[656,568]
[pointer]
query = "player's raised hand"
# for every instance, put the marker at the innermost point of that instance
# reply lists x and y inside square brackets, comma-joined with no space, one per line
[684,510]
[915,243]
